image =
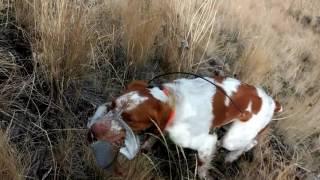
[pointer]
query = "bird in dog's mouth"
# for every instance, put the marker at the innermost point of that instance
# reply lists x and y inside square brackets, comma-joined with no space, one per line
[109,134]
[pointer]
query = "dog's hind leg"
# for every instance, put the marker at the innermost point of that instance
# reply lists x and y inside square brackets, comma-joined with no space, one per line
[234,155]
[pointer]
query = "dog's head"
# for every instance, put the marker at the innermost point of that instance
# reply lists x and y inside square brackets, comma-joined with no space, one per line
[114,126]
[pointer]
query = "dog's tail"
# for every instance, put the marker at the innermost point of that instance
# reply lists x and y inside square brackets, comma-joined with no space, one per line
[278,107]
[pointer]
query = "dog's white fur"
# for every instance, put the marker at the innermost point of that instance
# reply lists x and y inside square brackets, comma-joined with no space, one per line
[194,114]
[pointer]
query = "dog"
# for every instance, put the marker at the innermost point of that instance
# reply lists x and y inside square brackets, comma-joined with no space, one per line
[187,110]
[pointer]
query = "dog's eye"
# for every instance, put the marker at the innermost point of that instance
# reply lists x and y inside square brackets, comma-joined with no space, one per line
[112,105]
[150,86]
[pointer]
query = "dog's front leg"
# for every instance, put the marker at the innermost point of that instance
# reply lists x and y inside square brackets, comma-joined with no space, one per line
[206,150]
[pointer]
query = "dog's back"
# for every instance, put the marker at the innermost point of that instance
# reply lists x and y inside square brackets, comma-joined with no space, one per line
[201,106]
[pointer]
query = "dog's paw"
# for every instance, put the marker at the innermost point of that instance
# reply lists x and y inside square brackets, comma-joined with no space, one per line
[203,173]
[231,157]
[206,177]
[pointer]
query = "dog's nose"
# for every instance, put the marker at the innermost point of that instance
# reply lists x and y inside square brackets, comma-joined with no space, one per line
[104,154]
[102,150]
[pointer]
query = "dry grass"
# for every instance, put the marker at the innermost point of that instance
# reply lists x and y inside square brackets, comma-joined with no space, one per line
[282,54]
[61,38]
[84,52]
[12,168]
[272,160]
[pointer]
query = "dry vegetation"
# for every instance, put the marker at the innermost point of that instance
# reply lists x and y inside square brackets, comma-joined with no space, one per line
[10,164]
[60,59]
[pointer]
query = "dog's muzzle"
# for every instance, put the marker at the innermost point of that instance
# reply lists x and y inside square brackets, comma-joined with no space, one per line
[103,146]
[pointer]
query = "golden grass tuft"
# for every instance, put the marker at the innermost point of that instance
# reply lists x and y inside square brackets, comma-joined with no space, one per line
[281,55]
[11,166]
[272,160]
[172,31]
[61,38]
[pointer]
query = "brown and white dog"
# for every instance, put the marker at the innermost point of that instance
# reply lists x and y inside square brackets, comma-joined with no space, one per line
[186,110]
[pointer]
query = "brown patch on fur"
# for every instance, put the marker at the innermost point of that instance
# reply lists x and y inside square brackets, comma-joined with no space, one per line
[218,78]
[237,107]
[140,118]
[219,109]
[245,116]
[137,85]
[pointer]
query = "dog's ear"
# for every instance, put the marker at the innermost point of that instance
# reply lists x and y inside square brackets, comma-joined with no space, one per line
[137,85]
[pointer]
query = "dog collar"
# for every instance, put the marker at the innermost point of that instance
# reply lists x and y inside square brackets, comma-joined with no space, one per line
[170,118]
[173,112]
